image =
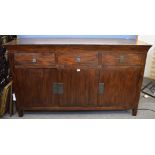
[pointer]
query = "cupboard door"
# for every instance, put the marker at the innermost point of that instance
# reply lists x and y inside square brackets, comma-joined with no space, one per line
[79,87]
[34,87]
[119,86]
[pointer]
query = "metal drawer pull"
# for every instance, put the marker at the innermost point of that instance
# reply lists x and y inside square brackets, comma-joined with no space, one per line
[34,60]
[121,59]
[78,59]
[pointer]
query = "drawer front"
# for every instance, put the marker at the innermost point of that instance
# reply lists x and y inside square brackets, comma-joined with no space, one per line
[122,59]
[78,58]
[34,59]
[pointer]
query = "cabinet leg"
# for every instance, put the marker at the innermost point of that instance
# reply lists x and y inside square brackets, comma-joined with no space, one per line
[134,112]
[20,113]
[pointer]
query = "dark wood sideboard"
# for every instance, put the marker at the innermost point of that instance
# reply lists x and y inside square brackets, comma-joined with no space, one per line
[77,74]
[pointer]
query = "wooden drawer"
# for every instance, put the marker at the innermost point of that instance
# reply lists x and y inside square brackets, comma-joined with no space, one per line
[34,59]
[122,59]
[78,58]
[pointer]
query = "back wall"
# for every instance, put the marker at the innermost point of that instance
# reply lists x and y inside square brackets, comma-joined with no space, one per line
[79,36]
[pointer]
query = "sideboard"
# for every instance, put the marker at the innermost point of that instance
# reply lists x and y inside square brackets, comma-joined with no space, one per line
[77,74]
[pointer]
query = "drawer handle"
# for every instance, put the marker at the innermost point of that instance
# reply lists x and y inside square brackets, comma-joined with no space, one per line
[34,60]
[77,59]
[121,59]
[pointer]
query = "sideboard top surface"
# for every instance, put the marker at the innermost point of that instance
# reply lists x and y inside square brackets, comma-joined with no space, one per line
[81,41]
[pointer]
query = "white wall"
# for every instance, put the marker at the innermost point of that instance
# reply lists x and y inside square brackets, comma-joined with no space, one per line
[147,38]
[150,39]
[78,36]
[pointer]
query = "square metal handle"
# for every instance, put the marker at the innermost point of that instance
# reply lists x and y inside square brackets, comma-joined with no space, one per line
[77,59]
[101,88]
[58,88]
[121,59]
[34,60]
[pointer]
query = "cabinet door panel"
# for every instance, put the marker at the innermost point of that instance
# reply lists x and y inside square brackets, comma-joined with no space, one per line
[34,87]
[121,86]
[80,88]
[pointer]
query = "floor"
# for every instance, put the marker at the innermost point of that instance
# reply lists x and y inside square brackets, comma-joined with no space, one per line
[148,103]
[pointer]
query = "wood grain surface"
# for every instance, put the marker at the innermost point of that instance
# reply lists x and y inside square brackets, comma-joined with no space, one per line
[58,75]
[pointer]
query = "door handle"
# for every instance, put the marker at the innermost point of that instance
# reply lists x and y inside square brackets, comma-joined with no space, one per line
[58,88]
[101,88]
